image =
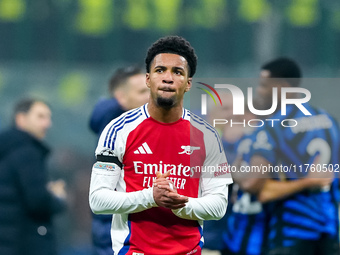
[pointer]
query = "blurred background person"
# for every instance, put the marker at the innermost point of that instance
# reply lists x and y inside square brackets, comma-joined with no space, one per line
[232,228]
[128,90]
[292,212]
[245,230]
[28,201]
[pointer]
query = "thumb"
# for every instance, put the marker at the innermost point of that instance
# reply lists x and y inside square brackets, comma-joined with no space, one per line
[159,175]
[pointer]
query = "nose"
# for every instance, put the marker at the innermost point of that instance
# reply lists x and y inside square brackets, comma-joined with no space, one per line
[168,78]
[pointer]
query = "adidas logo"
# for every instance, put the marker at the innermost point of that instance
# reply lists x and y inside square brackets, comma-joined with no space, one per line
[144,149]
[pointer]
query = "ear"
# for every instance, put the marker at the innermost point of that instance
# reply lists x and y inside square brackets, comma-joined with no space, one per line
[147,80]
[189,84]
[120,97]
[20,120]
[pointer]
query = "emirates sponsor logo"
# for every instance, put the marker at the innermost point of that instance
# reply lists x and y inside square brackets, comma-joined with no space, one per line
[151,169]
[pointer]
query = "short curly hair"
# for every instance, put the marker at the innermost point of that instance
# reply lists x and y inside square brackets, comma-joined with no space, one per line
[284,68]
[175,45]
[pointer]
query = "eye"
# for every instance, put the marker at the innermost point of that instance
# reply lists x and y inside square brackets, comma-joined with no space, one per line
[159,70]
[178,72]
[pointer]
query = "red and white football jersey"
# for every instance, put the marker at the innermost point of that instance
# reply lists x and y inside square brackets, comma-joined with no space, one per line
[190,148]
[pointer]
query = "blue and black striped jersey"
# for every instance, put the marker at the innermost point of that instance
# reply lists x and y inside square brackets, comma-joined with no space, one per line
[310,145]
[246,223]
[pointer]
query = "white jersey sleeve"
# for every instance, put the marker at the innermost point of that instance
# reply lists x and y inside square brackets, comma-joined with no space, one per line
[105,200]
[107,173]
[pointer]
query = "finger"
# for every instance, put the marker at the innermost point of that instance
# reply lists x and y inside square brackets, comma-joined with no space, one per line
[170,203]
[162,200]
[158,174]
[164,187]
[180,200]
[162,181]
[174,207]
[165,184]
[170,186]
[177,198]
[167,174]
[170,196]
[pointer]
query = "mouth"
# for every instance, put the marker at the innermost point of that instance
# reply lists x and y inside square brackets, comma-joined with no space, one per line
[166,90]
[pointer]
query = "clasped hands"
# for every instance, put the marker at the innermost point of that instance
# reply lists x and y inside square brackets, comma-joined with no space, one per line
[165,193]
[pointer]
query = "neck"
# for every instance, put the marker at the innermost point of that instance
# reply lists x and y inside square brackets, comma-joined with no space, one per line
[165,115]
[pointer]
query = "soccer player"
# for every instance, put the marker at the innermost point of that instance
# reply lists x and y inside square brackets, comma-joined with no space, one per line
[245,229]
[148,160]
[302,220]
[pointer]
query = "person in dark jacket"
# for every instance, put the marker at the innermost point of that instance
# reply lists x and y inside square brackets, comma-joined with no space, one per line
[127,90]
[27,201]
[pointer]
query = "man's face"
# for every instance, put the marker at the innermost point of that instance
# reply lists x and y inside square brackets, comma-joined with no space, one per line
[168,79]
[138,93]
[36,121]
